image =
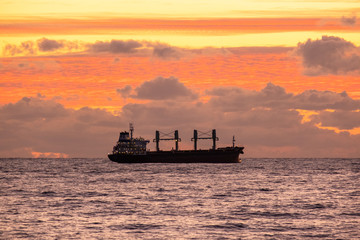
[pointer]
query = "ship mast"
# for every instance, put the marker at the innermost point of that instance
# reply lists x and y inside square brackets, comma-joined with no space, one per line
[131,130]
[205,135]
[168,135]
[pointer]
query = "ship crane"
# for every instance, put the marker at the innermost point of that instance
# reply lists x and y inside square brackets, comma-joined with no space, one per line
[205,135]
[169,138]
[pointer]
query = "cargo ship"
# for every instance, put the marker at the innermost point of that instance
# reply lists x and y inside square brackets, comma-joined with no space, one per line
[133,150]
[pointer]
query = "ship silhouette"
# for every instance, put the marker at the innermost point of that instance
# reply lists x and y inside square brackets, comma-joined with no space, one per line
[133,150]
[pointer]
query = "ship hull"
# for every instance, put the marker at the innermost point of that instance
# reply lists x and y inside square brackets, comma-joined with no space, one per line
[199,156]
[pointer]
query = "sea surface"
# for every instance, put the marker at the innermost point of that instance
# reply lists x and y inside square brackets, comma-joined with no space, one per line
[256,199]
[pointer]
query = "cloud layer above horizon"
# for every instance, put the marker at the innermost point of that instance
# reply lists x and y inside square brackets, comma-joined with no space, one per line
[269,122]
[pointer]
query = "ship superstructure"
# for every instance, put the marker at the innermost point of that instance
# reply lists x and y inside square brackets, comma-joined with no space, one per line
[127,145]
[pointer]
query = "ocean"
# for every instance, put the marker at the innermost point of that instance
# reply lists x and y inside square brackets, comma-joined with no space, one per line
[256,199]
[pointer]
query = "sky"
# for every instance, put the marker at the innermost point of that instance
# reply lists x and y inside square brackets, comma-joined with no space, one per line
[282,76]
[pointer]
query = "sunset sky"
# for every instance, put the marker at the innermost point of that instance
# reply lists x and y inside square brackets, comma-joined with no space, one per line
[282,76]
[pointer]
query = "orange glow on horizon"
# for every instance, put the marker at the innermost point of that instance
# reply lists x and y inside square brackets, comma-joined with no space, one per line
[49,155]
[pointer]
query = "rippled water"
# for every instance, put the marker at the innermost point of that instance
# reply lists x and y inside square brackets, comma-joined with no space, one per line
[257,199]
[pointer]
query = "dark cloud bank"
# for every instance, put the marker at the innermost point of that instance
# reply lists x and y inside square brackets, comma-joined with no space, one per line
[265,121]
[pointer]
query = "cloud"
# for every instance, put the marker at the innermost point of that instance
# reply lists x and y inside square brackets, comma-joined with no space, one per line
[47,45]
[322,100]
[162,88]
[115,46]
[33,108]
[348,21]
[343,120]
[42,45]
[236,99]
[25,48]
[329,55]
[266,122]
[232,99]
[166,51]
[168,114]
[125,91]
[35,125]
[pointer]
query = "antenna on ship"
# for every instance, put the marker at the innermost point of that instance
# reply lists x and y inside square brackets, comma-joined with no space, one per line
[233,141]
[131,130]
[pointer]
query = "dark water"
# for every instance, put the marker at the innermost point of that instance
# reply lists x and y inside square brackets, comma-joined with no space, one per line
[257,199]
